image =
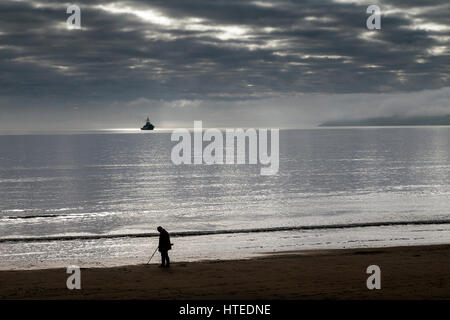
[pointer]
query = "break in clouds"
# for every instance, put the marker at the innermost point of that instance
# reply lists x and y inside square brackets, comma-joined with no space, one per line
[228,63]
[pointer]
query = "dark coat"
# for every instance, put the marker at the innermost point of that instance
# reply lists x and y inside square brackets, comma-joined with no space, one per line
[164,241]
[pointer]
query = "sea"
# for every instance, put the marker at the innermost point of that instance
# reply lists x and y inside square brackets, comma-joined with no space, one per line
[95,199]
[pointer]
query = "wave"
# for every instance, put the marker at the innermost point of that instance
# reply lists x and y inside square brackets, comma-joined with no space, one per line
[65,215]
[34,216]
[231,231]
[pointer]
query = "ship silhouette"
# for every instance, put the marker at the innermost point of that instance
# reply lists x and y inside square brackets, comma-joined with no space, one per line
[148,125]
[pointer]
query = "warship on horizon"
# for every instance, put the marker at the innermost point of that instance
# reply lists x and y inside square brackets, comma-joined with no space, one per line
[148,125]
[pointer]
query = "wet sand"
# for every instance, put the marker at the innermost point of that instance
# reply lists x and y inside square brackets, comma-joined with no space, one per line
[417,272]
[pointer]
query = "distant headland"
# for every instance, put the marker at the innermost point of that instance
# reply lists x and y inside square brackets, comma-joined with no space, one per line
[443,120]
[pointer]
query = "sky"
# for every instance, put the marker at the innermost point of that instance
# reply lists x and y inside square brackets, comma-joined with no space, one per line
[229,63]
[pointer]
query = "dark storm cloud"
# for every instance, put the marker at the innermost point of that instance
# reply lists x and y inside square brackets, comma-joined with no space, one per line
[216,50]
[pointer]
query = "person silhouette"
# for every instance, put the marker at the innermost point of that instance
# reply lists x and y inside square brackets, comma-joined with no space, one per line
[164,247]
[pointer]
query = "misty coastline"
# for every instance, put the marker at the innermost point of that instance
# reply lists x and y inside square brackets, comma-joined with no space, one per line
[391,121]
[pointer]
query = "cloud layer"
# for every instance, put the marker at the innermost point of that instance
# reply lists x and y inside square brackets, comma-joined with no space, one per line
[167,57]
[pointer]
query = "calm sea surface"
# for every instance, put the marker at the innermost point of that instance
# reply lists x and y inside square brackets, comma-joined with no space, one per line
[85,197]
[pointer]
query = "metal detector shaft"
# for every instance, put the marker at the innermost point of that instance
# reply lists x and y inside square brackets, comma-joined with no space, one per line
[152,256]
